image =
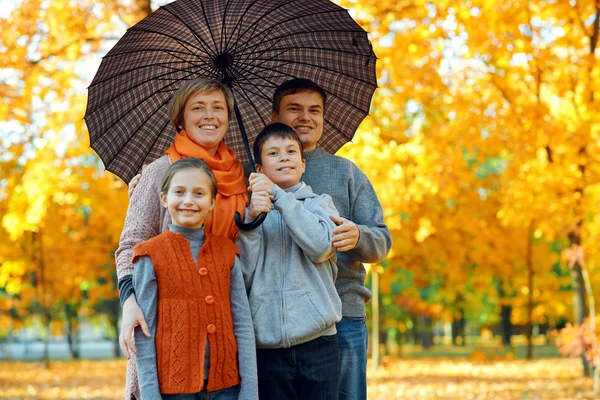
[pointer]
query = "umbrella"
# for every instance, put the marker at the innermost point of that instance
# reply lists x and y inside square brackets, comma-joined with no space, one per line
[252,46]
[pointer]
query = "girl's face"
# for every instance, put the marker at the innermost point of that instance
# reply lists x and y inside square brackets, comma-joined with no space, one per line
[206,120]
[189,199]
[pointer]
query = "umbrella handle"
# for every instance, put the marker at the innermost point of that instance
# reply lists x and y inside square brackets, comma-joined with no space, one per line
[251,225]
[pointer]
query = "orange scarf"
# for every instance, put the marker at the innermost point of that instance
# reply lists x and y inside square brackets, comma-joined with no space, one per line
[231,194]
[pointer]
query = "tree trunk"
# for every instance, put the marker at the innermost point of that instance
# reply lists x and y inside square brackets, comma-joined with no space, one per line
[46,353]
[505,313]
[72,316]
[458,328]
[426,332]
[579,301]
[530,274]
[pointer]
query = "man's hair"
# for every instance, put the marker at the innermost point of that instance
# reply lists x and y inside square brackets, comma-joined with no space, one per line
[274,130]
[190,88]
[294,86]
[188,163]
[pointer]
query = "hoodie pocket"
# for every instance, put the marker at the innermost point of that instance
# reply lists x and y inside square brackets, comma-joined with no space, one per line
[266,317]
[305,319]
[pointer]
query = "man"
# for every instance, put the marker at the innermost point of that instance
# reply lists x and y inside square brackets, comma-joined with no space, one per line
[361,235]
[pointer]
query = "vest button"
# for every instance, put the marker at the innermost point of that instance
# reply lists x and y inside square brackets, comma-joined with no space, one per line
[209,299]
[211,328]
[203,271]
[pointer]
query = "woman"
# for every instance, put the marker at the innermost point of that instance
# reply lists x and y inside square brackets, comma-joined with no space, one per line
[200,110]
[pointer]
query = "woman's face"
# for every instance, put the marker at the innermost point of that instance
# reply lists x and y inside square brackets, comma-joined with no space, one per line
[205,119]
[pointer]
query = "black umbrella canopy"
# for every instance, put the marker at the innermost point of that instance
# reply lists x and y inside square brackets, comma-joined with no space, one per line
[252,46]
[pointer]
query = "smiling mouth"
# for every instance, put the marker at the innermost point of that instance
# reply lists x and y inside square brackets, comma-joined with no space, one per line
[302,129]
[286,169]
[188,211]
[208,127]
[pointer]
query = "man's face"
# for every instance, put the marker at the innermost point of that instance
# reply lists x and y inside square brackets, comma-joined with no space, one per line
[304,112]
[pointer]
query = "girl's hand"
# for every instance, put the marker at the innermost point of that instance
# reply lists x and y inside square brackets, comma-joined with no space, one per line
[260,202]
[260,182]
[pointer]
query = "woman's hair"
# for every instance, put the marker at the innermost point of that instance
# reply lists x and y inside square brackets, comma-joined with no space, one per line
[278,130]
[190,88]
[188,163]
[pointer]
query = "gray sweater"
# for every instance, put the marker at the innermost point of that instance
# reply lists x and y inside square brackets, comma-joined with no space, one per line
[289,269]
[146,290]
[355,199]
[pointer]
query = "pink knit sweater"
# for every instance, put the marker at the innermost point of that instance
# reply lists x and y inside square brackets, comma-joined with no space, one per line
[146,217]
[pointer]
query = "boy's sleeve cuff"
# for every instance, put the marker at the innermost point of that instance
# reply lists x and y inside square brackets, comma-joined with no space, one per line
[277,192]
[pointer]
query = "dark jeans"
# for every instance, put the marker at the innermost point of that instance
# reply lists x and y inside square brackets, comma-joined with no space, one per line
[224,394]
[305,371]
[353,338]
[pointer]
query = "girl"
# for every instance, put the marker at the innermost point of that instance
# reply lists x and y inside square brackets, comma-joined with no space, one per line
[190,288]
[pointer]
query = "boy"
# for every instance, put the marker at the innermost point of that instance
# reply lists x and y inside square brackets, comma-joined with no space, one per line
[289,272]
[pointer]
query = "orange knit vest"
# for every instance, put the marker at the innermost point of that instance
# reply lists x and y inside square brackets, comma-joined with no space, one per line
[193,305]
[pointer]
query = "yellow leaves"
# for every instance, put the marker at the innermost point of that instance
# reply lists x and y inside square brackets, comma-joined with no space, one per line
[425,230]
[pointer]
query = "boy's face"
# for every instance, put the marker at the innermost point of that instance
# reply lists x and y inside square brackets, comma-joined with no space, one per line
[304,112]
[282,161]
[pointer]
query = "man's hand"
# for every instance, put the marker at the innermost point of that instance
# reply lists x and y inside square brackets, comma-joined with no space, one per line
[345,234]
[260,202]
[132,184]
[259,182]
[132,317]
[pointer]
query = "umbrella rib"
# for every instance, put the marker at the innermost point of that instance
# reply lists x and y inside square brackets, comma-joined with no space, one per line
[223,24]
[209,30]
[253,26]
[259,92]
[131,137]
[165,64]
[262,34]
[249,100]
[338,129]
[132,108]
[323,68]
[157,77]
[293,76]
[246,60]
[206,46]
[203,46]
[294,19]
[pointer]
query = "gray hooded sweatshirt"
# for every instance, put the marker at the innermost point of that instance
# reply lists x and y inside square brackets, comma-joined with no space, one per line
[289,269]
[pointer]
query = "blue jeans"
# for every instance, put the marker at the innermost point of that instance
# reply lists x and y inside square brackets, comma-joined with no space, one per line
[353,341]
[306,371]
[223,394]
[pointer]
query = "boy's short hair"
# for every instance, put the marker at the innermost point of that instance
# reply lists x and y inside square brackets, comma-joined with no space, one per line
[277,130]
[200,85]
[294,86]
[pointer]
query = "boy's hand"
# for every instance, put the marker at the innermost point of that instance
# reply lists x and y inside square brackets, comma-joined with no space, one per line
[345,234]
[132,184]
[259,182]
[260,202]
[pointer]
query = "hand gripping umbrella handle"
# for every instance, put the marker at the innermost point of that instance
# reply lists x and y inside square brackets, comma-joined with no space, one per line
[250,225]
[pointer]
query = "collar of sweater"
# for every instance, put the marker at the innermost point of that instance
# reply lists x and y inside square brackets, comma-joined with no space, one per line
[317,152]
[189,234]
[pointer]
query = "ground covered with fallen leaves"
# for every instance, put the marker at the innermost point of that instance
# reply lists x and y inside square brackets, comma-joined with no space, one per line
[423,378]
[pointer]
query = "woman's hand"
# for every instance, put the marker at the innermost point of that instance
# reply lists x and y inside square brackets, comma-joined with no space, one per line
[132,184]
[259,182]
[260,202]
[132,317]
